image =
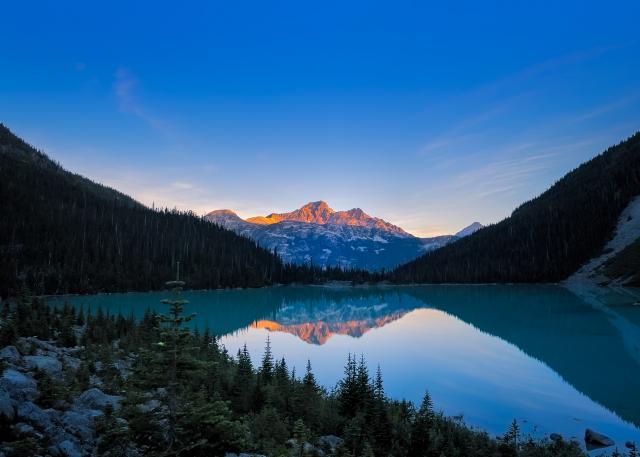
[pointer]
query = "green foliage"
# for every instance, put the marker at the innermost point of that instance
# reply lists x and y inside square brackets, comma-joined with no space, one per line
[301,435]
[205,427]
[51,391]
[113,435]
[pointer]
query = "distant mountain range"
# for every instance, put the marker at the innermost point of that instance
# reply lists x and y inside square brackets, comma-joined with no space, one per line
[349,239]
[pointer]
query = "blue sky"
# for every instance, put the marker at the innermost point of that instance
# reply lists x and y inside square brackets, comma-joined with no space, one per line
[429,115]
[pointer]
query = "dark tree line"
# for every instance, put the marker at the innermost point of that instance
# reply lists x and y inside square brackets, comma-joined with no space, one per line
[62,233]
[547,238]
[186,396]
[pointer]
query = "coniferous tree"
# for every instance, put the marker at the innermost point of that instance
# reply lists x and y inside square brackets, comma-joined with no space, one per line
[243,382]
[422,428]
[266,369]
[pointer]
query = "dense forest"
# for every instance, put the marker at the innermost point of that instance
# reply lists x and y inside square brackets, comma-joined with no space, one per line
[172,392]
[62,233]
[547,238]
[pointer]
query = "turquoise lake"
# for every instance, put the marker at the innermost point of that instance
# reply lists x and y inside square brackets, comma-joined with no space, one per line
[554,359]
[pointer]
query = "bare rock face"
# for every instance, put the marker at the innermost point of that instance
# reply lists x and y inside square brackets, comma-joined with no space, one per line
[68,431]
[349,239]
[69,448]
[32,413]
[80,423]
[10,354]
[329,442]
[18,386]
[49,364]
[97,400]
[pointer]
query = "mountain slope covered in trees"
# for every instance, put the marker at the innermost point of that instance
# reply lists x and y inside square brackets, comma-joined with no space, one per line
[547,238]
[62,233]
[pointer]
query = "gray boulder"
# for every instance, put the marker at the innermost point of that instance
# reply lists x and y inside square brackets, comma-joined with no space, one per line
[24,429]
[31,412]
[72,362]
[6,406]
[96,399]
[80,423]
[329,442]
[10,354]
[20,387]
[39,344]
[48,364]
[69,448]
[594,439]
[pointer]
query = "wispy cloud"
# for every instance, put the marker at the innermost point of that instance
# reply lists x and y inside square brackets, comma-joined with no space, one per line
[124,88]
[606,108]
[542,67]
[504,176]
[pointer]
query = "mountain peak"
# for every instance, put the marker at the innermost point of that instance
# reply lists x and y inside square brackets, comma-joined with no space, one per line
[222,212]
[468,230]
[226,215]
[319,212]
[319,205]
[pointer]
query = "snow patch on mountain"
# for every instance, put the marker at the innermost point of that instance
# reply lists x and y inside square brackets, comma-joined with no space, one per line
[469,230]
[350,239]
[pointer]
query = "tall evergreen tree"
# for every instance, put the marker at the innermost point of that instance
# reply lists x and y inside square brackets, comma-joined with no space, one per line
[266,369]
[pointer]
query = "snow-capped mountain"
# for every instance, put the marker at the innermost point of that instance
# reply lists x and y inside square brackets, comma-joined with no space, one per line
[470,229]
[350,239]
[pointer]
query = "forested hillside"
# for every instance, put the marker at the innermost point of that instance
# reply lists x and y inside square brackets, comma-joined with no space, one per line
[62,233]
[547,238]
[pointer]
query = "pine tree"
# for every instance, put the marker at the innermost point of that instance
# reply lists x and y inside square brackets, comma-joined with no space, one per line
[380,423]
[348,389]
[175,339]
[266,370]
[309,379]
[422,429]
[205,428]
[512,437]
[243,382]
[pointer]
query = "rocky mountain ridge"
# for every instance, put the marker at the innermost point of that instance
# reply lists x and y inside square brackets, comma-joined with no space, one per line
[350,239]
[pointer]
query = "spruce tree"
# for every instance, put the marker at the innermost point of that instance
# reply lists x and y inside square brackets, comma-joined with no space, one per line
[422,429]
[266,369]
[175,344]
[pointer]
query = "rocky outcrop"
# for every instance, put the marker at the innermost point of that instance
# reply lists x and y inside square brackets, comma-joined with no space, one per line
[10,354]
[67,428]
[329,442]
[49,364]
[96,399]
[20,387]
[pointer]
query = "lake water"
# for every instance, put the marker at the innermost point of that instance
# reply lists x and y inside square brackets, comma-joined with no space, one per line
[555,360]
